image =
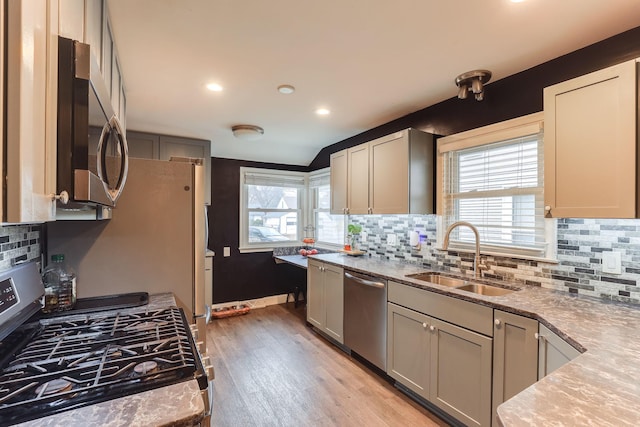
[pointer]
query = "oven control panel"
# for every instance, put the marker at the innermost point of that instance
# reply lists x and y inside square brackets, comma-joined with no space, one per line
[8,296]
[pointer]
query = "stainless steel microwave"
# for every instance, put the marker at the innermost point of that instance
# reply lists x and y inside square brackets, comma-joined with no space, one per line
[92,152]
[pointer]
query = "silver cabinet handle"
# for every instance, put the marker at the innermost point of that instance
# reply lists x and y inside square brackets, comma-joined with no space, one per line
[424,325]
[539,337]
[432,328]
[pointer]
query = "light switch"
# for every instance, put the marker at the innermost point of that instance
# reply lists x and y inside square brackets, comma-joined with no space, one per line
[363,237]
[392,240]
[611,262]
[226,251]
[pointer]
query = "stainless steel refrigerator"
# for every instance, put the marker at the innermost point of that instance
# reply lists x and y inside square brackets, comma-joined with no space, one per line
[155,241]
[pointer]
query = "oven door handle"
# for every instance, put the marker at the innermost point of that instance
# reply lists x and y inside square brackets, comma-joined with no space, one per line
[361,281]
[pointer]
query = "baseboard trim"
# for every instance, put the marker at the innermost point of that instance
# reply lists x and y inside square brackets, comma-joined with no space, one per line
[255,303]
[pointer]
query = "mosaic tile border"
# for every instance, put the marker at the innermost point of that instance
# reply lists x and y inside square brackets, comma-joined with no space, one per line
[581,243]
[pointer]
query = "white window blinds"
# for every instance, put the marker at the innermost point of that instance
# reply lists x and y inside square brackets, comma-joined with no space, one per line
[498,187]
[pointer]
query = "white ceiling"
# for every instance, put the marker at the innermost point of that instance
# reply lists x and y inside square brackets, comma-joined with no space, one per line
[368,61]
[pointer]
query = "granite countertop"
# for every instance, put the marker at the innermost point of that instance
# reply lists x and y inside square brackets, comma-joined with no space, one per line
[175,405]
[297,260]
[600,387]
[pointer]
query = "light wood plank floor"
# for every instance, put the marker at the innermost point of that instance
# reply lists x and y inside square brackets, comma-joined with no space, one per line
[273,370]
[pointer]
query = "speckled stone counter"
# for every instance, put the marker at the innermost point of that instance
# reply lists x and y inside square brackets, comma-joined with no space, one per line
[297,260]
[601,387]
[175,405]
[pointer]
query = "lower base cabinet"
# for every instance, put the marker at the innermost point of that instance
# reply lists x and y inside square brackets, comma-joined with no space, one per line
[553,352]
[447,365]
[325,295]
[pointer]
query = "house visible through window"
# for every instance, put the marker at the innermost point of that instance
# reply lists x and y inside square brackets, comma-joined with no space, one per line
[494,180]
[270,208]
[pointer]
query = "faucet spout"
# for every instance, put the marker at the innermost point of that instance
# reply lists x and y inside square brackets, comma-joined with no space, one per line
[447,234]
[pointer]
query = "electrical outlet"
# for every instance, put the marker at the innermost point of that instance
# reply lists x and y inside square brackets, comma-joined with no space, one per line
[226,251]
[611,262]
[392,240]
[363,237]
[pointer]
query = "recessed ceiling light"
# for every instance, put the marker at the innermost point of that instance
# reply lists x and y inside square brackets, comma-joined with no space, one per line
[517,1]
[322,112]
[286,89]
[214,87]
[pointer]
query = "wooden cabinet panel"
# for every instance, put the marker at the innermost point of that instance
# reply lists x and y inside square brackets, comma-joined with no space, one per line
[325,299]
[553,352]
[515,356]
[389,174]
[408,348]
[358,179]
[143,145]
[590,142]
[339,182]
[461,373]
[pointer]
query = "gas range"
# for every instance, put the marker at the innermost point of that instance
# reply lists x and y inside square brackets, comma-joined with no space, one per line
[64,363]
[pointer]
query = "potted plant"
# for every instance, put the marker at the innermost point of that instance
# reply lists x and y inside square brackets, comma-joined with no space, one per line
[353,231]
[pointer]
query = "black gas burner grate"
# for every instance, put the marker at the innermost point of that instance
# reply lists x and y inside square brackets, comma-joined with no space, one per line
[82,360]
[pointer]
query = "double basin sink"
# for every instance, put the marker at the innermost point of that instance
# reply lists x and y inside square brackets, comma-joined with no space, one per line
[461,284]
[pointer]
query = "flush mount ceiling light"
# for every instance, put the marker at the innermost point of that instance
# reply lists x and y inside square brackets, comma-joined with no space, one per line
[247,132]
[286,89]
[472,81]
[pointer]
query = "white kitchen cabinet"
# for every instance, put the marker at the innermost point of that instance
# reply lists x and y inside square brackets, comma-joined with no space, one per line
[325,299]
[71,19]
[389,175]
[590,145]
[515,356]
[31,110]
[338,182]
[94,29]
[441,348]
[553,352]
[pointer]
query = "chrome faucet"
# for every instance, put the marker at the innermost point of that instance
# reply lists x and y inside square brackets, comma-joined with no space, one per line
[445,244]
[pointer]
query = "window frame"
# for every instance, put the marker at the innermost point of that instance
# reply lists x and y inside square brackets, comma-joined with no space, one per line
[244,245]
[312,208]
[499,132]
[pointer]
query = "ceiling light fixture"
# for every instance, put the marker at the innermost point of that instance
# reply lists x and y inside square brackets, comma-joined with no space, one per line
[286,89]
[214,87]
[472,81]
[247,132]
[322,112]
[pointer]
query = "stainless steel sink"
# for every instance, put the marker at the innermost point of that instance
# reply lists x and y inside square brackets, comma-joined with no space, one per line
[438,279]
[461,284]
[488,290]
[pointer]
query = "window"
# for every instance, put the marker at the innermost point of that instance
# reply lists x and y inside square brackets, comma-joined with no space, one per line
[329,229]
[492,177]
[270,208]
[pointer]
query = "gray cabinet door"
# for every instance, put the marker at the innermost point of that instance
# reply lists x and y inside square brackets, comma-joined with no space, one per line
[172,146]
[315,294]
[143,145]
[553,352]
[408,348]
[461,373]
[515,356]
[339,183]
[334,302]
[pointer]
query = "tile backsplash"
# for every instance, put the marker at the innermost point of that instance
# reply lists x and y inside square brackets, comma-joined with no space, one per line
[581,243]
[19,243]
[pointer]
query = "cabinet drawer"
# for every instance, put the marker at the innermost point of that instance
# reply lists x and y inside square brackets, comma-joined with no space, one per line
[469,315]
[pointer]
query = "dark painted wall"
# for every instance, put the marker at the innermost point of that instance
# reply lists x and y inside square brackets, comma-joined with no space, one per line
[241,276]
[247,276]
[508,98]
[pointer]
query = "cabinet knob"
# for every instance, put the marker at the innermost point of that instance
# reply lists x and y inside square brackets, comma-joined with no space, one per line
[432,328]
[424,325]
[498,322]
[547,209]
[539,336]
[63,197]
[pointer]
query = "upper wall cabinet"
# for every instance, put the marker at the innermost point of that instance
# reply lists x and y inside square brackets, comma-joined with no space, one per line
[30,103]
[389,175]
[88,21]
[162,147]
[590,145]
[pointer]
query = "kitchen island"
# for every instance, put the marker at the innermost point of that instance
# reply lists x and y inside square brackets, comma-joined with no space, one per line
[177,405]
[597,388]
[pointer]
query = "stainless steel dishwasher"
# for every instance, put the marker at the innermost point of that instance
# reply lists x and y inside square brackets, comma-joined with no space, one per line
[365,317]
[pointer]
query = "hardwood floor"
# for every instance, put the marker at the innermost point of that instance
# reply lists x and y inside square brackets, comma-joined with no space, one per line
[273,370]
